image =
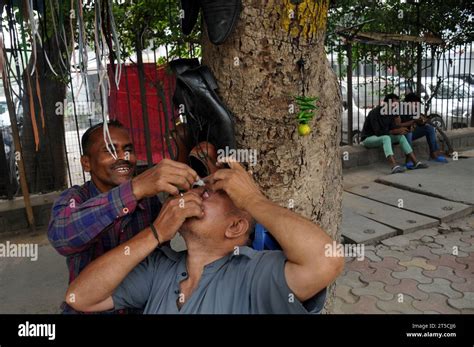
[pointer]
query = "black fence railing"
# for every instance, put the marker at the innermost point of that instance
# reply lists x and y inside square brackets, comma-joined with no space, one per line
[447,84]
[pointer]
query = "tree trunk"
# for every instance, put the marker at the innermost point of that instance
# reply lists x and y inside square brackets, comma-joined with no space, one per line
[259,72]
[46,167]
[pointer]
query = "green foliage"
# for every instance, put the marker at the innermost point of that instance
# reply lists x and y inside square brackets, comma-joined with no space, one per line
[452,21]
[156,22]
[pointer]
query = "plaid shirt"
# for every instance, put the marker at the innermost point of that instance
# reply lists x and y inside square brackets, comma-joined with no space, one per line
[86,223]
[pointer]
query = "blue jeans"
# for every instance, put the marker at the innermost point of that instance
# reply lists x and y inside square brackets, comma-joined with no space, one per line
[424,130]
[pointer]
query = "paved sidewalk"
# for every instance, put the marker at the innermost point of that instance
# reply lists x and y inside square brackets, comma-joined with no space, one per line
[429,270]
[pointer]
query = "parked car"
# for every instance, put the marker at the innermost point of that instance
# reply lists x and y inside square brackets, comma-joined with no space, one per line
[466,77]
[451,100]
[367,93]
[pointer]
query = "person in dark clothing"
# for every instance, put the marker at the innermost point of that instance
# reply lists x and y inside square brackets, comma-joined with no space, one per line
[380,129]
[420,129]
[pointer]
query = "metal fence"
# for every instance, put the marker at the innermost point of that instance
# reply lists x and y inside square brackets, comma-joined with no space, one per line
[447,82]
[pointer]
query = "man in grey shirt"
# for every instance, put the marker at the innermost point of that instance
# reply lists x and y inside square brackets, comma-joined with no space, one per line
[218,273]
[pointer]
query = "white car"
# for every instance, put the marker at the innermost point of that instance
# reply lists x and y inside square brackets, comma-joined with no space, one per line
[4,115]
[451,100]
[367,93]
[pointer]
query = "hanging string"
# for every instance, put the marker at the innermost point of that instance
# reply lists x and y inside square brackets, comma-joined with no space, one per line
[100,44]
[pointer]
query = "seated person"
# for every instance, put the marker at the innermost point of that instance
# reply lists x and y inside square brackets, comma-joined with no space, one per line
[380,130]
[421,129]
[218,273]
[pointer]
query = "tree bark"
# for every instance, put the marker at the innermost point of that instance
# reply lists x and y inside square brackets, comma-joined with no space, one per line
[45,167]
[259,75]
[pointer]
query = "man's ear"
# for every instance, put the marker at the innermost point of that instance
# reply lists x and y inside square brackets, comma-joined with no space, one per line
[238,227]
[85,162]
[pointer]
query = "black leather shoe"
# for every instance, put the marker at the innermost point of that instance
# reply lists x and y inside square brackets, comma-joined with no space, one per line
[208,118]
[191,12]
[178,66]
[221,17]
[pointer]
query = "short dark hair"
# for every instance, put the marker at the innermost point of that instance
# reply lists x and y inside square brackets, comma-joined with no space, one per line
[86,137]
[391,96]
[412,97]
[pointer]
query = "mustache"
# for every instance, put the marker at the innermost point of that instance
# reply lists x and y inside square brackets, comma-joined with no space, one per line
[122,162]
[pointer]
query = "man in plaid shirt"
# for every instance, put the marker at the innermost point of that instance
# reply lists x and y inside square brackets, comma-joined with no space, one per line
[89,220]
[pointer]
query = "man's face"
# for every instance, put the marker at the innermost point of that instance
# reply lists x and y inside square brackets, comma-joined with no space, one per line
[106,172]
[395,103]
[217,215]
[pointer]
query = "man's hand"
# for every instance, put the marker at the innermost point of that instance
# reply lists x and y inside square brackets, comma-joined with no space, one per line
[168,176]
[237,183]
[421,121]
[175,211]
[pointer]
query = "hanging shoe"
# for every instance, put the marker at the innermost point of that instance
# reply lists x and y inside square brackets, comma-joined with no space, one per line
[190,15]
[208,116]
[178,66]
[221,17]
[203,159]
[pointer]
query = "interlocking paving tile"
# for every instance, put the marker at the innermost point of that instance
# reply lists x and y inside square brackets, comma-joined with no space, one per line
[389,263]
[434,245]
[417,235]
[435,303]
[424,252]
[448,260]
[469,261]
[361,266]
[468,239]
[418,262]
[381,275]
[444,272]
[450,250]
[450,240]
[467,274]
[467,249]
[394,254]
[407,286]
[395,306]
[351,279]
[466,302]
[440,286]
[372,256]
[467,286]
[413,273]
[400,241]
[374,289]
[344,292]
[365,305]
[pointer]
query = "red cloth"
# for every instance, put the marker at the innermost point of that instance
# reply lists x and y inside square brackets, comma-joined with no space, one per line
[128,110]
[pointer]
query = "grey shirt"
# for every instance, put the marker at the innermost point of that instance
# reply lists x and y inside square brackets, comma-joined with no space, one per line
[243,282]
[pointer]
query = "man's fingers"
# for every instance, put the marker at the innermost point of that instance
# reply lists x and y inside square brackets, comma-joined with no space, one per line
[186,174]
[181,166]
[235,165]
[218,185]
[170,189]
[178,181]
[192,209]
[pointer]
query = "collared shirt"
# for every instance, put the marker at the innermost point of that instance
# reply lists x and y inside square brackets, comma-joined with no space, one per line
[244,282]
[86,223]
